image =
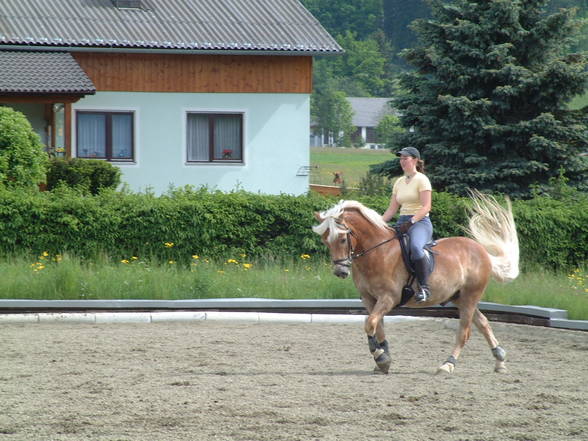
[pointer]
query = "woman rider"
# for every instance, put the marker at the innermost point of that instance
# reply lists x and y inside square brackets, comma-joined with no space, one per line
[412,195]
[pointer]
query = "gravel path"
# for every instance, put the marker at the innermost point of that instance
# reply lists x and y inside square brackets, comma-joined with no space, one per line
[209,380]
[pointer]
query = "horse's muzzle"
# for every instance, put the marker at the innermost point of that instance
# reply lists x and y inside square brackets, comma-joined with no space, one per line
[341,270]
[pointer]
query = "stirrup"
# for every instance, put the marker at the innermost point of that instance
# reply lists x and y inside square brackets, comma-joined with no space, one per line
[423,294]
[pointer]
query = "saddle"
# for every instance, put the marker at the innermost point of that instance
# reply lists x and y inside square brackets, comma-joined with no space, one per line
[404,240]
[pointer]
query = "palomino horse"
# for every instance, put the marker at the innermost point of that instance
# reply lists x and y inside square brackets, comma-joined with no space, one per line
[359,239]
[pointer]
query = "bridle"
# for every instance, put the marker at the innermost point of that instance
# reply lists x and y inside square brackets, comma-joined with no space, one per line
[352,255]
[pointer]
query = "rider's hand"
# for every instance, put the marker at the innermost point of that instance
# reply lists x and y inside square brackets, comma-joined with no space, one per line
[404,227]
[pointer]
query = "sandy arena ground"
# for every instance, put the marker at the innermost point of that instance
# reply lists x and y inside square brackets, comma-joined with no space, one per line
[211,380]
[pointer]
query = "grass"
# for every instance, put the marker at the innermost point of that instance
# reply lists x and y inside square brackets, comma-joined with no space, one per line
[353,163]
[304,277]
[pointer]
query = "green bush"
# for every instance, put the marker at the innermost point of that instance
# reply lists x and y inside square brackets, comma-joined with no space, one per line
[22,157]
[86,175]
[225,225]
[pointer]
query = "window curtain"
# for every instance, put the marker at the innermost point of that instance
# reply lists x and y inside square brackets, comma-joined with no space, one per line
[91,135]
[197,137]
[122,136]
[227,137]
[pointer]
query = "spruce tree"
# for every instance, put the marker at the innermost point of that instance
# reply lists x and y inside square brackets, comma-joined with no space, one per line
[486,103]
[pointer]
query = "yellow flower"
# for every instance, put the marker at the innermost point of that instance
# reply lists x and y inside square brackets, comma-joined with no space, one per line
[304,256]
[232,261]
[45,254]
[195,256]
[58,258]
[171,262]
[286,270]
[124,261]
[168,244]
[134,258]
[243,256]
[247,265]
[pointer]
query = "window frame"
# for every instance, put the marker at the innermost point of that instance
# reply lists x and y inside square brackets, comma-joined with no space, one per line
[211,137]
[108,134]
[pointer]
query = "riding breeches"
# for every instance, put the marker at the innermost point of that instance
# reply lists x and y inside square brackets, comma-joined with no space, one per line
[421,233]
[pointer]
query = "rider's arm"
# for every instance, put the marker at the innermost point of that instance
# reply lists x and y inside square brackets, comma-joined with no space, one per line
[391,210]
[426,206]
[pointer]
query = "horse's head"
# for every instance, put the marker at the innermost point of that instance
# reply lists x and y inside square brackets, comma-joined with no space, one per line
[336,235]
[337,227]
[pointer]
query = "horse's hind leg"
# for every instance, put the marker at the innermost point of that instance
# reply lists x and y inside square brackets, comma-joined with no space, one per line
[499,354]
[466,313]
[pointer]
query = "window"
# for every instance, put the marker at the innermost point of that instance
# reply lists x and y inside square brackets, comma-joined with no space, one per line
[105,135]
[216,137]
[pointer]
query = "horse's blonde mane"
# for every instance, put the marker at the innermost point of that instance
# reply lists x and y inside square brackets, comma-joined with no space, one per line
[331,219]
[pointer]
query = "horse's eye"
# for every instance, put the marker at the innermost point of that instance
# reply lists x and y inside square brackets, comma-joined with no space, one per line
[344,240]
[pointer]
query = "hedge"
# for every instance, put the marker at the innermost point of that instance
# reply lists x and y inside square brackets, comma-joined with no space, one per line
[217,225]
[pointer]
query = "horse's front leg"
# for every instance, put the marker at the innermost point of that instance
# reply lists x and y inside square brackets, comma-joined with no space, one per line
[374,328]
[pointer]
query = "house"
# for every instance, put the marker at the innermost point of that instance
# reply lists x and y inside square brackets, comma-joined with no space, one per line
[190,92]
[367,114]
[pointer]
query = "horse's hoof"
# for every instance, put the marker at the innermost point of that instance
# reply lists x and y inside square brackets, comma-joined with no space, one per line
[378,371]
[446,368]
[500,368]
[384,361]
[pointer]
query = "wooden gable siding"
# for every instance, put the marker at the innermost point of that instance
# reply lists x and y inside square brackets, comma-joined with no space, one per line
[197,73]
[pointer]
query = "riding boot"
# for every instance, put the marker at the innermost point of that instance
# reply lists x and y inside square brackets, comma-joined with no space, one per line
[422,274]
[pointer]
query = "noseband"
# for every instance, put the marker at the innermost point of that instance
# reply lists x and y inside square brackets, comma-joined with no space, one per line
[352,255]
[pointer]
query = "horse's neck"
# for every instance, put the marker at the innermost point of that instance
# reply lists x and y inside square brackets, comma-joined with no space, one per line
[367,234]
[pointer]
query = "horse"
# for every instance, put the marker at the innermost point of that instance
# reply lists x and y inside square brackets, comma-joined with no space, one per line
[361,242]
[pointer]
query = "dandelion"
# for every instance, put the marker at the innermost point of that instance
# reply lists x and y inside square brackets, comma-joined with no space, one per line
[38,267]
[286,270]
[125,261]
[243,256]
[168,244]
[171,262]
[134,258]
[232,261]
[58,258]
[195,256]
[305,256]
[247,265]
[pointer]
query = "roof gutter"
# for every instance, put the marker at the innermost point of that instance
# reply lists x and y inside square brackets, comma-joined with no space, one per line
[277,52]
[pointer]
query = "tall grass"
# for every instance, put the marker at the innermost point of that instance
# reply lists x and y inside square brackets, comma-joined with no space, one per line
[303,277]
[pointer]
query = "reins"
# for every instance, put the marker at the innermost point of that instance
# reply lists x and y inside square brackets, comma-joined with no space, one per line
[351,255]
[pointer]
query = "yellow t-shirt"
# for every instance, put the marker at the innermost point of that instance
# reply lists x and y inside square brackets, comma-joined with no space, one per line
[408,194]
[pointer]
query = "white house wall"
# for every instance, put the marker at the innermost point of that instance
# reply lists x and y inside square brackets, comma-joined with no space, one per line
[276,133]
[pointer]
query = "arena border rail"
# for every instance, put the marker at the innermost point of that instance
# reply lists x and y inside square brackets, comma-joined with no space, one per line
[289,310]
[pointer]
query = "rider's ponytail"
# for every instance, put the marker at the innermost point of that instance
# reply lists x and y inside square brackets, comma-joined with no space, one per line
[420,166]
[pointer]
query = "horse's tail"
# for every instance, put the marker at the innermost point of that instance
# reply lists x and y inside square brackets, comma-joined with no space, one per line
[493,226]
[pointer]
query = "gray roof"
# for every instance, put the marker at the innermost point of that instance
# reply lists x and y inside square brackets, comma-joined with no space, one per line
[368,112]
[199,25]
[42,72]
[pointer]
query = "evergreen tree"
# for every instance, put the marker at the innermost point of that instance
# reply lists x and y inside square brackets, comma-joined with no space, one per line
[488,99]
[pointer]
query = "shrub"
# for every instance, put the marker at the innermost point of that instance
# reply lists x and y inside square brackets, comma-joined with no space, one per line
[86,175]
[219,225]
[22,157]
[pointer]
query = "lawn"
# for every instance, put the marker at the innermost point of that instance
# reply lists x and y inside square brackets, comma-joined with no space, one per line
[353,163]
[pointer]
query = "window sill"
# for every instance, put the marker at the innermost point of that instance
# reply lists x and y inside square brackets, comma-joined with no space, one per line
[215,163]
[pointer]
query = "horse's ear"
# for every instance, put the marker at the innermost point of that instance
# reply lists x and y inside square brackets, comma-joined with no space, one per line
[317,216]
